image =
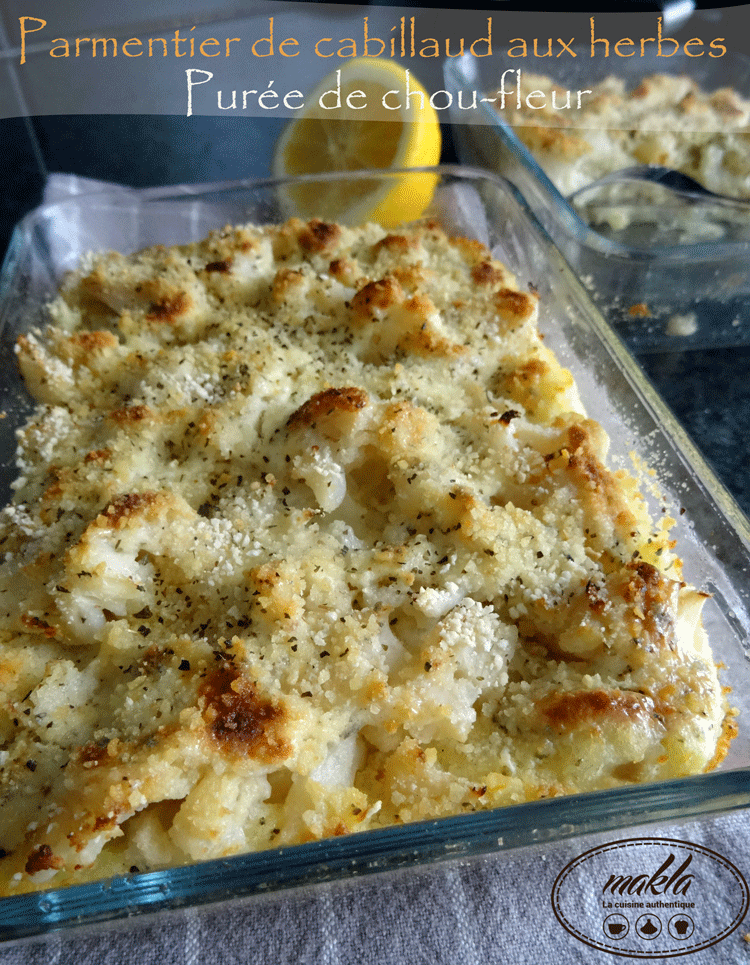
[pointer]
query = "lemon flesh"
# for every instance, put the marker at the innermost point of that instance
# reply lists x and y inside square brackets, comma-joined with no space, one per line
[404,134]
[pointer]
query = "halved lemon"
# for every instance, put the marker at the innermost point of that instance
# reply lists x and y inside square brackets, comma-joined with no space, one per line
[368,113]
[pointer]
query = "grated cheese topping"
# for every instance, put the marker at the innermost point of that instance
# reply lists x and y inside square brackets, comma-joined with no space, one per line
[312,534]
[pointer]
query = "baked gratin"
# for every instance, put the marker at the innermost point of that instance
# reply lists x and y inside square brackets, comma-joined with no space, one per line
[312,534]
[667,120]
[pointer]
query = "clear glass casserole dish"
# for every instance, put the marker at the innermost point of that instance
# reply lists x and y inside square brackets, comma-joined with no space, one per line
[660,296]
[713,535]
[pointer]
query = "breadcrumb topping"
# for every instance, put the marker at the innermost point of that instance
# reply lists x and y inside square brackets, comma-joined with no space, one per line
[311,535]
[667,120]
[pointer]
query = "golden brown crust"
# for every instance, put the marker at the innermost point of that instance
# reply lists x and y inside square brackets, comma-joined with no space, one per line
[314,536]
[42,859]
[326,403]
[125,507]
[665,119]
[240,720]
[591,709]
[381,294]
[319,237]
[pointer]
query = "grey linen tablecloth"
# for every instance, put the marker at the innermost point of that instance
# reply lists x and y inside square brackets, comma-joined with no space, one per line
[493,909]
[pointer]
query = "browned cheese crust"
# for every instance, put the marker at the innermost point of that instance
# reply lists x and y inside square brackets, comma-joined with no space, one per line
[668,120]
[312,534]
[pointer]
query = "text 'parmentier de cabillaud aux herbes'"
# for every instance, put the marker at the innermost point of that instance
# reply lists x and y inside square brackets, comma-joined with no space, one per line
[404,41]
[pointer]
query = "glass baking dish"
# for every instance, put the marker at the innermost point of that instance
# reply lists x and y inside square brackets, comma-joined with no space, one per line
[713,534]
[659,297]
